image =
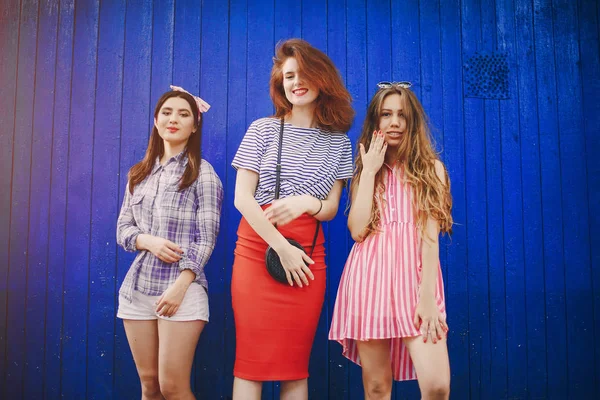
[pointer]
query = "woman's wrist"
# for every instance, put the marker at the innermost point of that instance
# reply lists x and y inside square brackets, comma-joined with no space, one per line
[314,205]
[318,209]
[141,241]
[186,277]
[368,174]
[426,293]
[280,244]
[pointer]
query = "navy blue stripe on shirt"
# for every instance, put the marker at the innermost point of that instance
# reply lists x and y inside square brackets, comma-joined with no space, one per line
[312,159]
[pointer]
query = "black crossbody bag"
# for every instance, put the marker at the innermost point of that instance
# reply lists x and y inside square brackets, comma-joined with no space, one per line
[272,261]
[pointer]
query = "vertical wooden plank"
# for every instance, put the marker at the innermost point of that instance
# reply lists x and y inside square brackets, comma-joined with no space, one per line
[163,25]
[532,202]
[482,138]
[590,82]
[492,364]
[58,200]
[213,88]
[457,300]
[488,320]
[405,48]
[9,42]
[133,142]
[551,201]
[187,43]
[356,76]
[39,201]
[432,101]
[105,202]
[424,44]
[236,128]
[288,19]
[314,30]
[260,48]
[314,23]
[337,233]
[579,299]
[20,196]
[78,230]
[516,336]
[429,16]
[476,197]
[379,45]
[186,72]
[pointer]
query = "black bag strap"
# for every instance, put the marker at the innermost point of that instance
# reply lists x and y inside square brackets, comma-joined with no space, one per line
[277,183]
[278,165]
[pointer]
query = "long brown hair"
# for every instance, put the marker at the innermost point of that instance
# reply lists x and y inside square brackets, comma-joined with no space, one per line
[431,197]
[156,147]
[333,109]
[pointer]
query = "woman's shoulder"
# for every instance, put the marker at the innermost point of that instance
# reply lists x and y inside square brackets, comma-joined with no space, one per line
[208,173]
[264,123]
[340,135]
[337,138]
[440,170]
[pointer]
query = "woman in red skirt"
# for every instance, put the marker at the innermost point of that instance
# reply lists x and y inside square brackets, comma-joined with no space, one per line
[276,322]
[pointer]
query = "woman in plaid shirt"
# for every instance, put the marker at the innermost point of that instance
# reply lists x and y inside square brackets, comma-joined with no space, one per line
[170,217]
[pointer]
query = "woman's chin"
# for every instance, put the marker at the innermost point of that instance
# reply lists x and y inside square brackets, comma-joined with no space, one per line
[173,140]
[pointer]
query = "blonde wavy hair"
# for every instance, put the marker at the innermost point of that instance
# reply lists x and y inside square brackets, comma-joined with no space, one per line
[431,197]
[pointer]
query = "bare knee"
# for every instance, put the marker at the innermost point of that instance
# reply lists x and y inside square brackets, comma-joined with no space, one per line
[174,389]
[436,389]
[150,385]
[378,388]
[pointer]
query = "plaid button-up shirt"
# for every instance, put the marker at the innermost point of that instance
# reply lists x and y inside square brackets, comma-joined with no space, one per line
[190,218]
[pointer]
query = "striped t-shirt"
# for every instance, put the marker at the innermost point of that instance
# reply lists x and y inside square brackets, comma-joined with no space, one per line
[311,159]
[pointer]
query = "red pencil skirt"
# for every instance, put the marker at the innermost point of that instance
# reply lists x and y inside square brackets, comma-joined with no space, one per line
[275,323]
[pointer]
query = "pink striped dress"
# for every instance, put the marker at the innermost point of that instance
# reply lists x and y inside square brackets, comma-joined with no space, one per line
[378,291]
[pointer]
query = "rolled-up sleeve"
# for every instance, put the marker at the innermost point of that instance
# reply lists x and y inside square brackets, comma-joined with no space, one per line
[127,229]
[209,190]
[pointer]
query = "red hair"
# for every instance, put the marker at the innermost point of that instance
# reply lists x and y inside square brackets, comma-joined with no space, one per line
[333,110]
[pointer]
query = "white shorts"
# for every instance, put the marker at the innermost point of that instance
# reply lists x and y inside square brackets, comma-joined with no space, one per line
[143,307]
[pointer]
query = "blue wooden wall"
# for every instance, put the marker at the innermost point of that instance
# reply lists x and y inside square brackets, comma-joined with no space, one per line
[78,83]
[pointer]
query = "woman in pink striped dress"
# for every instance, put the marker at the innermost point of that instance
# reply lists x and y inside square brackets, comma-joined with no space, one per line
[390,314]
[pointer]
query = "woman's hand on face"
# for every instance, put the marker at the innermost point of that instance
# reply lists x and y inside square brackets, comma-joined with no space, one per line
[429,320]
[294,263]
[284,211]
[164,249]
[373,158]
